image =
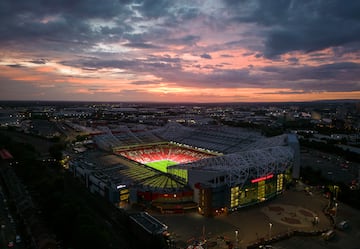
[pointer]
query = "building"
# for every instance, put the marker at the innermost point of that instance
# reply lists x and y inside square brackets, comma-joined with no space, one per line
[232,181]
[214,169]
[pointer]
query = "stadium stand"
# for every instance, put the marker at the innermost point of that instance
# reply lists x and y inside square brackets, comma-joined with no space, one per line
[163,152]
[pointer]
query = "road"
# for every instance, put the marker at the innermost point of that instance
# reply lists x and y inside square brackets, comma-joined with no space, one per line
[8,224]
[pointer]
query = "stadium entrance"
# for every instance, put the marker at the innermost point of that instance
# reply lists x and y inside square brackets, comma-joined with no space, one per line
[258,190]
[213,202]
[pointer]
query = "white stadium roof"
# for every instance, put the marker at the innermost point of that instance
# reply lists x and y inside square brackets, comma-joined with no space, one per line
[239,167]
[247,154]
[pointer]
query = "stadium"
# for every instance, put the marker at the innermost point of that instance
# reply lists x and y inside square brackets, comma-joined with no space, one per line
[212,169]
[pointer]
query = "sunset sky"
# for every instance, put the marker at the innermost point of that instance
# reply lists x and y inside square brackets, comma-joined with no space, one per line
[186,51]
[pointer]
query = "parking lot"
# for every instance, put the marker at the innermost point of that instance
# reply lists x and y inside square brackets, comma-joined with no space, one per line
[8,237]
[331,166]
[348,238]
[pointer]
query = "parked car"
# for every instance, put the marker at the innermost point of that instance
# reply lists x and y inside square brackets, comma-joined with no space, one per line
[18,239]
[328,235]
[343,225]
[265,246]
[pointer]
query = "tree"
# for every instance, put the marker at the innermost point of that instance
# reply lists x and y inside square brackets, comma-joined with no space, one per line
[56,151]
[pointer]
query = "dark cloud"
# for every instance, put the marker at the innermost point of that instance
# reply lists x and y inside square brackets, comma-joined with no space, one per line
[38,61]
[39,23]
[47,25]
[227,56]
[97,89]
[290,25]
[153,9]
[143,82]
[99,64]
[319,86]
[247,54]
[206,56]
[141,45]
[187,13]
[330,77]
[173,13]
[293,60]
[344,71]
[285,92]
[164,59]
[219,78]
[185,40]
[325,77]
[301,25]
[151,65]
[15,65]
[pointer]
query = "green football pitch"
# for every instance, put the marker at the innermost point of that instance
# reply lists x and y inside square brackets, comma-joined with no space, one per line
[161,165]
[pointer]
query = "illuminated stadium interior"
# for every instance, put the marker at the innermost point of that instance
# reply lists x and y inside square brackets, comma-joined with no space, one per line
[162,156]
[161,165]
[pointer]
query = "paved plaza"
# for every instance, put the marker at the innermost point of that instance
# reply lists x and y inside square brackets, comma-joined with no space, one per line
[295,210]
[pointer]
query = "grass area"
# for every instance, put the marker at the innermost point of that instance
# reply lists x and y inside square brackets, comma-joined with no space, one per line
[161,165]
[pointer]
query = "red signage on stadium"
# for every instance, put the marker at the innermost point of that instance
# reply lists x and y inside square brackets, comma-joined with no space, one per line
[263,178]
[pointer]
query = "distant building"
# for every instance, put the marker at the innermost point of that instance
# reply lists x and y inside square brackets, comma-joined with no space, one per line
[315,115]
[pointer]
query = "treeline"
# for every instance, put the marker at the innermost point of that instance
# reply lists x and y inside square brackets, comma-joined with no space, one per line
[345,194]
[268,131]
[78,218]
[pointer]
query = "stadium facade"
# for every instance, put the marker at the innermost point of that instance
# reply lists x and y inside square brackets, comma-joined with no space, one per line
[213,169]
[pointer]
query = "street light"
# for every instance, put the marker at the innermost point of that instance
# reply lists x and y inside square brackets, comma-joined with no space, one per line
[316,220]
[2,234]
[336,210]
[270,226]
[336,190]
[237,238]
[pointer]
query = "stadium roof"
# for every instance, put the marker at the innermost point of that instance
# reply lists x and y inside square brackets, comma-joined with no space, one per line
[264,157]
[247,153]
[217,138]
[213,137]
[118,170]
[260,158]
[122,136]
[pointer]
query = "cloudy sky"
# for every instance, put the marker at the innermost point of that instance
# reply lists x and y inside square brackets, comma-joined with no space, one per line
[188,51]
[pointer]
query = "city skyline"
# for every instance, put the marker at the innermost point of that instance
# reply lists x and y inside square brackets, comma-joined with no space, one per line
[183,51]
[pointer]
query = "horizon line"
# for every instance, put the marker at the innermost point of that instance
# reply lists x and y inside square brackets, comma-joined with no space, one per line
[184,102]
